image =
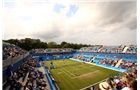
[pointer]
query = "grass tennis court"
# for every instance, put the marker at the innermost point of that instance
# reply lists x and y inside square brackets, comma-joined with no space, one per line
[74,75]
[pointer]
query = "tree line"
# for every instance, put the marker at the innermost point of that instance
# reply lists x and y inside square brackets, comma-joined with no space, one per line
[29,44]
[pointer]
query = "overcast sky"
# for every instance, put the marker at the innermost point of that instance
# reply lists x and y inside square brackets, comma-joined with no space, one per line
[106,22]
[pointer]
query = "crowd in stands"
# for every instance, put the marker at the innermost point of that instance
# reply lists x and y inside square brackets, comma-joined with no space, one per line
[127,81]
[80,57]
[10,51]
[132,49]
[127,64]
[90,49]
[108,62]
[35,78]
[124,64]
[53,50]
[111,49]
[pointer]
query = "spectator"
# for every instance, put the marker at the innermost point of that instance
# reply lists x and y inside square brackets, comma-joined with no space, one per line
[53,80]
[92,87]
[116,79]
[134,73]
[112,84]
[132,83]
[124,83]
[104,86]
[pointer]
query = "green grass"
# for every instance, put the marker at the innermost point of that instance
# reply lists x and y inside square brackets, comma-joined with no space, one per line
[86,74]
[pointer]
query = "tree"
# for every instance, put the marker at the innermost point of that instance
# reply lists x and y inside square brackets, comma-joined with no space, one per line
[52,45]
[66,45]
[63,43]
[29,44]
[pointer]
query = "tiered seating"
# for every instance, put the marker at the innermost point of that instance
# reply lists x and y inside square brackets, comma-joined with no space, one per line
[110,49]
[83,57]
[52,50]
[132,49]
[89,49]
[111,61]
[10,50]
[27,76]
[103,49]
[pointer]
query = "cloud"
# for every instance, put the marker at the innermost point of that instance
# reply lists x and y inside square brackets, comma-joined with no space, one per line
[125,15]
[109,23]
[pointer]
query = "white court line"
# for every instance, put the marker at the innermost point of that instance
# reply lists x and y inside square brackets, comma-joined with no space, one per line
[80,68]
[93,84]
[90,69]
[59,72]
[73,74]
[67,71]
[87,74]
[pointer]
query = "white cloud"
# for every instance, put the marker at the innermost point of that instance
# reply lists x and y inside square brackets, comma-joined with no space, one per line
[93,23]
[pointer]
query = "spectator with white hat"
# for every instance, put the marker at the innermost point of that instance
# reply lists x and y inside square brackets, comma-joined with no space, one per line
[104,86]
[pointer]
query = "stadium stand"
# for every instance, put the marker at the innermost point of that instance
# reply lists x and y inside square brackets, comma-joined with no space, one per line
[10,51]
[132,49]
[27,76]
[22,71]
